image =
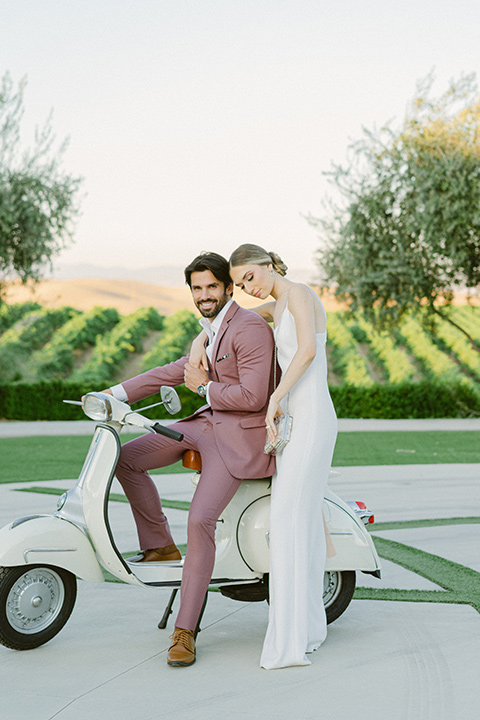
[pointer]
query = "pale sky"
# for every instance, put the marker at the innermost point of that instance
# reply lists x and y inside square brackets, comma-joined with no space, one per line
[203,124]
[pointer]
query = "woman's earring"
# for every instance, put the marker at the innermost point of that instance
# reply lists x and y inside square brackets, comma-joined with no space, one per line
[272,273]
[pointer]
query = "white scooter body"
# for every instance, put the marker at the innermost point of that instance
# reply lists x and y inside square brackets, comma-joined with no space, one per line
[78,538]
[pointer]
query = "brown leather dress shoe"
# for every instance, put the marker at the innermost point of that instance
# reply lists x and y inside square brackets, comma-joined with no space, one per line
[171,552]
[182,650]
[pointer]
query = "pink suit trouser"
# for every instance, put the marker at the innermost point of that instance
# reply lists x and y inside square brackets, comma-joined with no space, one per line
[214,491]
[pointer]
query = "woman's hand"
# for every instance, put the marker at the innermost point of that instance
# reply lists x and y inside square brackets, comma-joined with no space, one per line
[198,355]
[107,391]
[274,410]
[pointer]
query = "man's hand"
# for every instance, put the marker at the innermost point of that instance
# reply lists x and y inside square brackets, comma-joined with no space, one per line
[195,376]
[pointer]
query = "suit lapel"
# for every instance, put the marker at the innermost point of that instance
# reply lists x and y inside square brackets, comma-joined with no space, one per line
[221,332]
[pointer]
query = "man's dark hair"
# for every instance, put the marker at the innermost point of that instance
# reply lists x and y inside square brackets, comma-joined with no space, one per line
[217,265]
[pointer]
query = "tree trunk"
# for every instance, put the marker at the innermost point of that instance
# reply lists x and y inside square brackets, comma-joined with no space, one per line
[473,343]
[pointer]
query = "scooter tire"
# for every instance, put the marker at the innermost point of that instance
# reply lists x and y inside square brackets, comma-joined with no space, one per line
[35,603]
[338,592]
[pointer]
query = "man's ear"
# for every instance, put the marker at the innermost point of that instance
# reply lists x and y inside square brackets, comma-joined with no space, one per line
[229,289]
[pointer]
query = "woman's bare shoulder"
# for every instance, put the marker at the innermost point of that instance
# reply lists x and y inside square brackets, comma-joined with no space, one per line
[300,293]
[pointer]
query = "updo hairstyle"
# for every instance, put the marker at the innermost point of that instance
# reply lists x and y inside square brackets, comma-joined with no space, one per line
[249,254]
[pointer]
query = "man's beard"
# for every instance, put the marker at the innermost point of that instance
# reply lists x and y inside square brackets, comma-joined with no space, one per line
[218,307]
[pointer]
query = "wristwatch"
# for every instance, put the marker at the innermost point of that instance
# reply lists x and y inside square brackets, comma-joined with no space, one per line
[202,389]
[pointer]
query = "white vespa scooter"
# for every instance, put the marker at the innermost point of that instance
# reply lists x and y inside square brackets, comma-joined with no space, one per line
[41,555]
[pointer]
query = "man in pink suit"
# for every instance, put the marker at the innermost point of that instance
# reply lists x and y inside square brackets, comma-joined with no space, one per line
[228,431]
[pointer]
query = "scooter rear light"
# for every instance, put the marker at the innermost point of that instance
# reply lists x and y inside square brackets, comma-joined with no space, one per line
[361,511]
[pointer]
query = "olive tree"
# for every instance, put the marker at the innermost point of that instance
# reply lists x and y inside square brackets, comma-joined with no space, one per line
[406,233]
[37,198]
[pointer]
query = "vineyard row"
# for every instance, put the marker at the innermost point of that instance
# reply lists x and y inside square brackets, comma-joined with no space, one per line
[98,347]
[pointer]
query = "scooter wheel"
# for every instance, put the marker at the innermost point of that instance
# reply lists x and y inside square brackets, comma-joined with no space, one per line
[338,589]
[35,603]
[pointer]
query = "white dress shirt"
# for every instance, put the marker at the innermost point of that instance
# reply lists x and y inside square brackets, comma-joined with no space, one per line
[212,327]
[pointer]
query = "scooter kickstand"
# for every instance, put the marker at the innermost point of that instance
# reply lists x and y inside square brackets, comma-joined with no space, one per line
[168,610]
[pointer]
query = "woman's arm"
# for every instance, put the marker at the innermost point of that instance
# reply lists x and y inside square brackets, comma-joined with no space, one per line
[266,310]
[198,356]
[301,305]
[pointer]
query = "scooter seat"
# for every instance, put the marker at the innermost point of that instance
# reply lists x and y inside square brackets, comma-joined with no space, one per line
[192,459]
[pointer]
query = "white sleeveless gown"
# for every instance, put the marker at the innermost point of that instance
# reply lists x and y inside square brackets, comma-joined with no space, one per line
[297,623]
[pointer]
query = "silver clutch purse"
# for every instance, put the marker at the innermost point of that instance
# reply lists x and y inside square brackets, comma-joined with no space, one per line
[284,432]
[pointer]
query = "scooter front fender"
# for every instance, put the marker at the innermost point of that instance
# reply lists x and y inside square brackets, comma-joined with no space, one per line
[49,540]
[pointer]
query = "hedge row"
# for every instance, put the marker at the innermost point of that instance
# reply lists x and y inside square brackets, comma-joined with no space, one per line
[43,401]
[406,400]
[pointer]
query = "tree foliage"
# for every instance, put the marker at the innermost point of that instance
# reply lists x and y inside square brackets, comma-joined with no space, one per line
[406,232]
[37,198]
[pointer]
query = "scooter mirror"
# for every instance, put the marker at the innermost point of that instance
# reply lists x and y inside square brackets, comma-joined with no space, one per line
[170,399]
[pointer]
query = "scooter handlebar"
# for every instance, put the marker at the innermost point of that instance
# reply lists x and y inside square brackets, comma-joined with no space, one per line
[162,430]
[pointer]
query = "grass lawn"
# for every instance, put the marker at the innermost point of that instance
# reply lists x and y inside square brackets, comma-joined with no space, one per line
[407,448]
[50,458]
[58,458]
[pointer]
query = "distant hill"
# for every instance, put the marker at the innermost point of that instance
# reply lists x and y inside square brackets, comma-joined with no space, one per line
[124,295]
[165,275]
[168,275]
[83,294]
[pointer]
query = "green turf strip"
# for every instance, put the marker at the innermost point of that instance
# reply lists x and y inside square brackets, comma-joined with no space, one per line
[434,522]
[115,497]
[461,583]
[56,458]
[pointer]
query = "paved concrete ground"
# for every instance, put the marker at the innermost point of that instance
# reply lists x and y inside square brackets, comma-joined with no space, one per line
[395,660]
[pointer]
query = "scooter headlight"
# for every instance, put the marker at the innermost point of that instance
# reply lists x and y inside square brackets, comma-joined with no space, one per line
[97,407]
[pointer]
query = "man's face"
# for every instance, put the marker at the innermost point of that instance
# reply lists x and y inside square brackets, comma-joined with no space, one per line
[209,294]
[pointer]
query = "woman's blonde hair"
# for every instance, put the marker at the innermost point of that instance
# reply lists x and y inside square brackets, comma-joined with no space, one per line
[249,254]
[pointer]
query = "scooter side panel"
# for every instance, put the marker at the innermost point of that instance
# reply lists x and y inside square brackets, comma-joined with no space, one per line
[230,562]
[51,541]
[353,545]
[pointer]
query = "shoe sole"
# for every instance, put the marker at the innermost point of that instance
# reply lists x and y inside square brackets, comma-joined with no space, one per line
[178,663]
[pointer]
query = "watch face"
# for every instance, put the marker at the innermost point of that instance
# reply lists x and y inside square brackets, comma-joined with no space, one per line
[202,390]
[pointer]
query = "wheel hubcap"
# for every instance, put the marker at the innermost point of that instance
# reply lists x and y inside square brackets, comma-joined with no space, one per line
[35,600]
[332,584]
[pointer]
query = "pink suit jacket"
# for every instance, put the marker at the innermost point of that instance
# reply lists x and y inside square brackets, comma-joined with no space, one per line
[241,371]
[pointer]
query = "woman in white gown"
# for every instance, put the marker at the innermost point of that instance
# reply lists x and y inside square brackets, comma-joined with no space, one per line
[297,622]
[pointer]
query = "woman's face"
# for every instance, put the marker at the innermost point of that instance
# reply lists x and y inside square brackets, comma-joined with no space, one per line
[255,280]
